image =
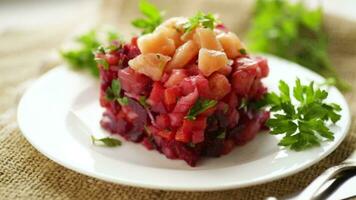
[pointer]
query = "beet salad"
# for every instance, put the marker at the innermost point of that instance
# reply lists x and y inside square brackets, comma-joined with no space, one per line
[186,90]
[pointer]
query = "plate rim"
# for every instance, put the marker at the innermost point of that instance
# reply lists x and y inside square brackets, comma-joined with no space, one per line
[144,184]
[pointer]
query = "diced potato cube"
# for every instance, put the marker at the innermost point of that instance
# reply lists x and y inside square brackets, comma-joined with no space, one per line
[183,55]
[156,42]
[207,39]
[151,65]
[210,61]
[231,44]
[173,29]
[219,86]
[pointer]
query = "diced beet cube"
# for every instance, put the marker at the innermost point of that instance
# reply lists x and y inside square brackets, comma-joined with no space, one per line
[242,81]
[183,136]
[147,143]
[166,134]
[155,99]
[175,78]
[198,136]
[133,82]
[112,59]
[163,121]
[187,86]
[263,65]
[171,96]
[228,146]
[193,70]
[202,84]
[176,119]
[186,102]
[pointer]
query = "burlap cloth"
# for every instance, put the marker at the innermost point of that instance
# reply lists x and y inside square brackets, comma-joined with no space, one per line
[27,174]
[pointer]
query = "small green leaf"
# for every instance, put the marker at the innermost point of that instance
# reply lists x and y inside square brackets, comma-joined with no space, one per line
[303,125]
[243,51]
[124,101]
[142,101]
[102,62]
[199,107]
[107,141]
[222,135]
[152,20]
[205,20]
[284,89]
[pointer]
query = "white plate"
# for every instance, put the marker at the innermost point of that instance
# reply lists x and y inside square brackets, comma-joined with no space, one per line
[45,118]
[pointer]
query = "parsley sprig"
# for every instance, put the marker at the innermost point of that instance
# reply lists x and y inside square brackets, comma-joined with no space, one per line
[113,93]
[153,17]
[304,124]
[82,58]
[199,107]
[107,141]
[205,20]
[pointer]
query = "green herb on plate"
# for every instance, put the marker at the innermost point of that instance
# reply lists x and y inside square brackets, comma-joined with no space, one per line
[303,124]
[107,141]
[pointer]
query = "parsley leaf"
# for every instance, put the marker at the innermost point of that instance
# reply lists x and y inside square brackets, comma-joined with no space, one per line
[110,142]
[82,58]
[102,62]
[142,101]
[205,20]
[199,107]
[113,93]
[279,25]
[304,124]
[124,101]
[153,17]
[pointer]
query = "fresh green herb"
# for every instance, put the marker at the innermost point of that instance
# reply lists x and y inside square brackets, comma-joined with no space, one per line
[82,57]
[199,107]
[205,20]
[243,51]
[113,93]
[303,124]
[222,135]
[142,101]
[153,17]
[124,101]
[110,142]
[243,104]
[294,32]
[102,62]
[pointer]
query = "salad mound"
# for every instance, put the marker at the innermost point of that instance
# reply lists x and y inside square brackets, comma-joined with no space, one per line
[187,89]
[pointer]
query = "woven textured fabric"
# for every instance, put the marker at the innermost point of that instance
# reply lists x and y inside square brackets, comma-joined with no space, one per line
[27,174]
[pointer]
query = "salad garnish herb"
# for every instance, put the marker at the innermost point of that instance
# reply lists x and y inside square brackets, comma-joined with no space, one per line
[113,93]
[153,17]
[199,107]
[142,101]
[107,141]
[82,57]
[205,20]
[303,124]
